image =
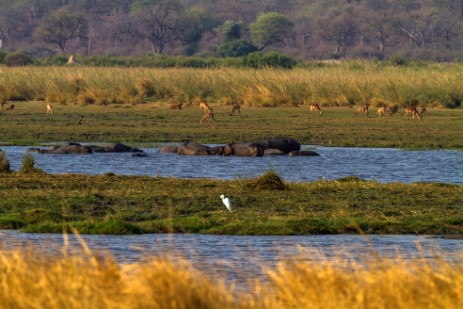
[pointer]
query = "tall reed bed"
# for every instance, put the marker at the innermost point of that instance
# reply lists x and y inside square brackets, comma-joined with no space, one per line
[88,280]
[338,84]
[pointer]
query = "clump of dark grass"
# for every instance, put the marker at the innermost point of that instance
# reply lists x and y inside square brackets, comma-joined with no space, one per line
[268,181]
[350,179]
[145,88]
[28,163]
[4,163]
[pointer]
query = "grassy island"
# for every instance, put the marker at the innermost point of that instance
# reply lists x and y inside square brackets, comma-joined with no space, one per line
[110,204]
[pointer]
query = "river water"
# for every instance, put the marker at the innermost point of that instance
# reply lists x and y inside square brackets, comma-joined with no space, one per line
[239,258]
[383,165]
[246,257]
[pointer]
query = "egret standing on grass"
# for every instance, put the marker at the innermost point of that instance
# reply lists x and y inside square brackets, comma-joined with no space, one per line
[226,201]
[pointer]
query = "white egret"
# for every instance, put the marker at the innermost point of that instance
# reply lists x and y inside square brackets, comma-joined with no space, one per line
[226,201]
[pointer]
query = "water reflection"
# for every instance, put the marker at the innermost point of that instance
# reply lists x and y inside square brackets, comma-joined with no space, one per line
[383,165]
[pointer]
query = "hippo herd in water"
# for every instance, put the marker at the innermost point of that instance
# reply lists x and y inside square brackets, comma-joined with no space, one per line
[271,146]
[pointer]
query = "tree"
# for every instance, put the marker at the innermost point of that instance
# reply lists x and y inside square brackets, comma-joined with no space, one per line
[191,27]
[338,28]
[232,45]
[158,22]
[236,48]
[269,28]
[230,30]
[378,28]
[30,9]
[62,27]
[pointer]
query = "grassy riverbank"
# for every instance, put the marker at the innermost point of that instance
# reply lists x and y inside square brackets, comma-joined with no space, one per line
[337,84]
[92,281]
[146,124]
[109,204]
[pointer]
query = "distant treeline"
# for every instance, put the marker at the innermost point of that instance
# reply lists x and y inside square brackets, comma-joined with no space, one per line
[254,60]
[303,30]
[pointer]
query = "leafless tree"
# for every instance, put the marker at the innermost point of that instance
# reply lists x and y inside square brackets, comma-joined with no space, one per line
[338,28]
[158,22]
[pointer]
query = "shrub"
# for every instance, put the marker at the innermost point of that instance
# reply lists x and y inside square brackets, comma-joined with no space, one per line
[236,48]
[398,60]
[28,163]
[17,59]
[272,59]
[192,62]
[145,88]
[2,55]
[276,59]
[4,163]
[268,181]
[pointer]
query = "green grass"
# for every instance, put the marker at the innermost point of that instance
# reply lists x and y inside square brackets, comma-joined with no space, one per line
[131,205]
[148,124]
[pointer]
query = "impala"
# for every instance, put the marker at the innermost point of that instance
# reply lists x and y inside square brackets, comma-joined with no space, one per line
[235,107]
[411,110]
[205,107]
[391,110]
[315,108]
[381,111]
[49,109]
[176,106]
[206,116]
[362,110]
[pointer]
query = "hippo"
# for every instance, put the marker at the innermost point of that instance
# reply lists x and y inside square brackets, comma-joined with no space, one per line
[139,155]
[63,149]
[245,150]
[284,144]
[76,148]
[193,149]
[168,149]
[118,147]
[305,153]
[217,150]
[274,152]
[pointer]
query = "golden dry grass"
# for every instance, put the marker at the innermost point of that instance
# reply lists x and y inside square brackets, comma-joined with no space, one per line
[88,280]
[343,84]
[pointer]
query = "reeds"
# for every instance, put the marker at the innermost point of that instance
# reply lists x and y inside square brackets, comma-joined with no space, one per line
[329,85]
[83,279]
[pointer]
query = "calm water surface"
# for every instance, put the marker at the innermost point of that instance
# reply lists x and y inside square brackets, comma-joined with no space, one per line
[383,165]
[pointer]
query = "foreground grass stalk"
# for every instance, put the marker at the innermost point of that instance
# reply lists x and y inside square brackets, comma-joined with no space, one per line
[32,279]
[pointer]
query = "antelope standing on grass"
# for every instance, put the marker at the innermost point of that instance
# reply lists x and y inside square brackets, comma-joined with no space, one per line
[235,107]
[362,110]
[205,107]
[381,111]
[315,108]
[208,115]
[391,110]
[50,109]
[411,110]
[10,108]
[176,106]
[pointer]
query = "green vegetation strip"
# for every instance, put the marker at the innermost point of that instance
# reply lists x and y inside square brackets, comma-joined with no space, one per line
[151,123]
[109,204]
